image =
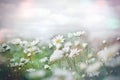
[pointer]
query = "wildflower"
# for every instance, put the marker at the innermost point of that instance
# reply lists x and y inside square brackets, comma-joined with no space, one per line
[26,51]
[4,47]
[57,54]
[108,53]
[77,42]
[114,62]
[59,74]
[83,66]
[16,41]
[91,60]
[104,42]
[32,49]
[44,59]
[47,67]
[23,60]
[30,70]
[84,45]
[58,46]
[92,70]
[83,75]
[66,49]
[80,33]
[35,42]
[24,44]
[21,64]
[29,54]
[68,44]
[74,52]
[90,55]
[58,40]
[16,64]
[12,60]
[50,45]
[43,47]
[35,74]
[74,73]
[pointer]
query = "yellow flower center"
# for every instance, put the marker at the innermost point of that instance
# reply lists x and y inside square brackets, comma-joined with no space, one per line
[58,41]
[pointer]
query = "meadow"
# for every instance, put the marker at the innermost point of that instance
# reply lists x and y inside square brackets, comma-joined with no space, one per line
[66,57]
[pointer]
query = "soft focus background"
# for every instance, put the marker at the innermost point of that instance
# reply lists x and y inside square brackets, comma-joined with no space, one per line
[91,53]
[44,18]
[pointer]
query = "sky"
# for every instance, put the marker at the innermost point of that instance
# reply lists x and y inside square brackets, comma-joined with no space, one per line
[44,18]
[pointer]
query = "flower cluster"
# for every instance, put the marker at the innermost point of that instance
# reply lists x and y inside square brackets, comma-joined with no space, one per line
[4,47]
[66,57]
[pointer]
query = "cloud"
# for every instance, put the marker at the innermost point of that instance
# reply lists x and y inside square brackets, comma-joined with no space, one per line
[44,17]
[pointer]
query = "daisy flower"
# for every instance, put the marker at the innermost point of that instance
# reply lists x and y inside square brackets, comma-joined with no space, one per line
[58,40]
[74,52]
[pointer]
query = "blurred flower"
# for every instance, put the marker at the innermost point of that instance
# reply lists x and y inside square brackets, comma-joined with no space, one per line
[50,45]
[30,70]
[108,53]
[92,70]
[80,33]
[66,49]
[114,62]
[12,60]
[35,42]
[91,60]
[44,59]
[77,42]
[43,47]
[32,49]
[90,55]
[74,52]
[83,75]
[104,42]
[83,66]
[29,54]
[35,74]
[16,41]
[14,64]
[58,46]
[47,67]
[4,47]
[57,54]
[84,45]
[59,74]
[25,44]
[68,44]
[23,60]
